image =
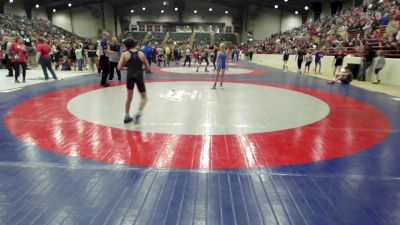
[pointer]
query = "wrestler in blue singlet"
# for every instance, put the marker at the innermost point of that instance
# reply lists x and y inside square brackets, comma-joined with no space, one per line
[222,61]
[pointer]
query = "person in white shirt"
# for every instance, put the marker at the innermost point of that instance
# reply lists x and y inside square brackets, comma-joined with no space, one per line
[380,63]
[188,57]
[309,59]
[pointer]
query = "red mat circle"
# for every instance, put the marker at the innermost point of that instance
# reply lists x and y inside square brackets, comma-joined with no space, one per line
[350,127]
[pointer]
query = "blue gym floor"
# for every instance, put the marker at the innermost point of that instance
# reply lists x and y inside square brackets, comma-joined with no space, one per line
[41,187]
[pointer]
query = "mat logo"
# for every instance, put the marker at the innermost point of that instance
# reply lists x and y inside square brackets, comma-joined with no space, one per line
[180,95]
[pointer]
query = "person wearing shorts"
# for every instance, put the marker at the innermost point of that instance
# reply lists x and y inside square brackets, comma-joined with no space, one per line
[204,57]
[309,60]
[188,57]
[380,63]
[286,55]
[222,64]
[338,62]
[318,58]
[300,59]
[134,61]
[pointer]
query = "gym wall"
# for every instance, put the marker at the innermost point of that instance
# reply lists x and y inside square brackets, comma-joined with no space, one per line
[153,13]
[269,21]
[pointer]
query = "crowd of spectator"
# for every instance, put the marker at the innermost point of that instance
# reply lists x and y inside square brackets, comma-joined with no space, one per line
[68,50]
[373,24]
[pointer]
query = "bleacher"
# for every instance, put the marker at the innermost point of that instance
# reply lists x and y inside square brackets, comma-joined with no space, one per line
[202,39]
[364,28]
[157,37]
[224,37]
[180,38]
[138,36]
[34,28]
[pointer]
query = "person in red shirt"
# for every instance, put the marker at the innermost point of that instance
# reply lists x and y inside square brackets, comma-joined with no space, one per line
[44,59]
[18,58]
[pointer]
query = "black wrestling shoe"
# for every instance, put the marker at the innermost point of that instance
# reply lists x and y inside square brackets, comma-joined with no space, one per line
[128,120]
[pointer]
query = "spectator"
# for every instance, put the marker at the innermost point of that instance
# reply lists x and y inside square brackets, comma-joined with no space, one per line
[366,62]
[380,63]
[344,76]
[43,58]
[18,58]
[79,57]
[338,62]
[385,20]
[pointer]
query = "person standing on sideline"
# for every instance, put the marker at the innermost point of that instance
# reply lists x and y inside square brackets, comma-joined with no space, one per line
[188,57]
[338,62]
[203,57]
[90,49]
[148,53]
[134,61]
[309,59]
[300,59]
[286,55]
[196,56]
[318,58]
[366,63]
[79,56]
[380,63]
[72,56]
[115,55]
[8,54]
[176,55]
[251,53]
[168,54]
[43,57]
[18,58]
[222,64]
[104,50]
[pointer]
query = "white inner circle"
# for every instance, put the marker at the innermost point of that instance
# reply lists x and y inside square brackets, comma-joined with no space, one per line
[187,69]
[192,108]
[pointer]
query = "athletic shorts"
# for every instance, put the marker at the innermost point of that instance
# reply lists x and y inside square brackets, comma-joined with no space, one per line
[308,63]
[378,70]
[222,67]
[317,61]
[338,64]
[204,59]
[130,84]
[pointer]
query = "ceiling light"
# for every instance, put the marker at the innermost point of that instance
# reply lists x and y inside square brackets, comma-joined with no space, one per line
[162,10]
[132,11]
[37,5]
[165,3]
[285,0]
[210,9]
[226,12]
[176,9]
[144,8]
[11,1]
[54,10]
[306,7]
[195,11]
[276,6]
[69,4]
[296,12]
